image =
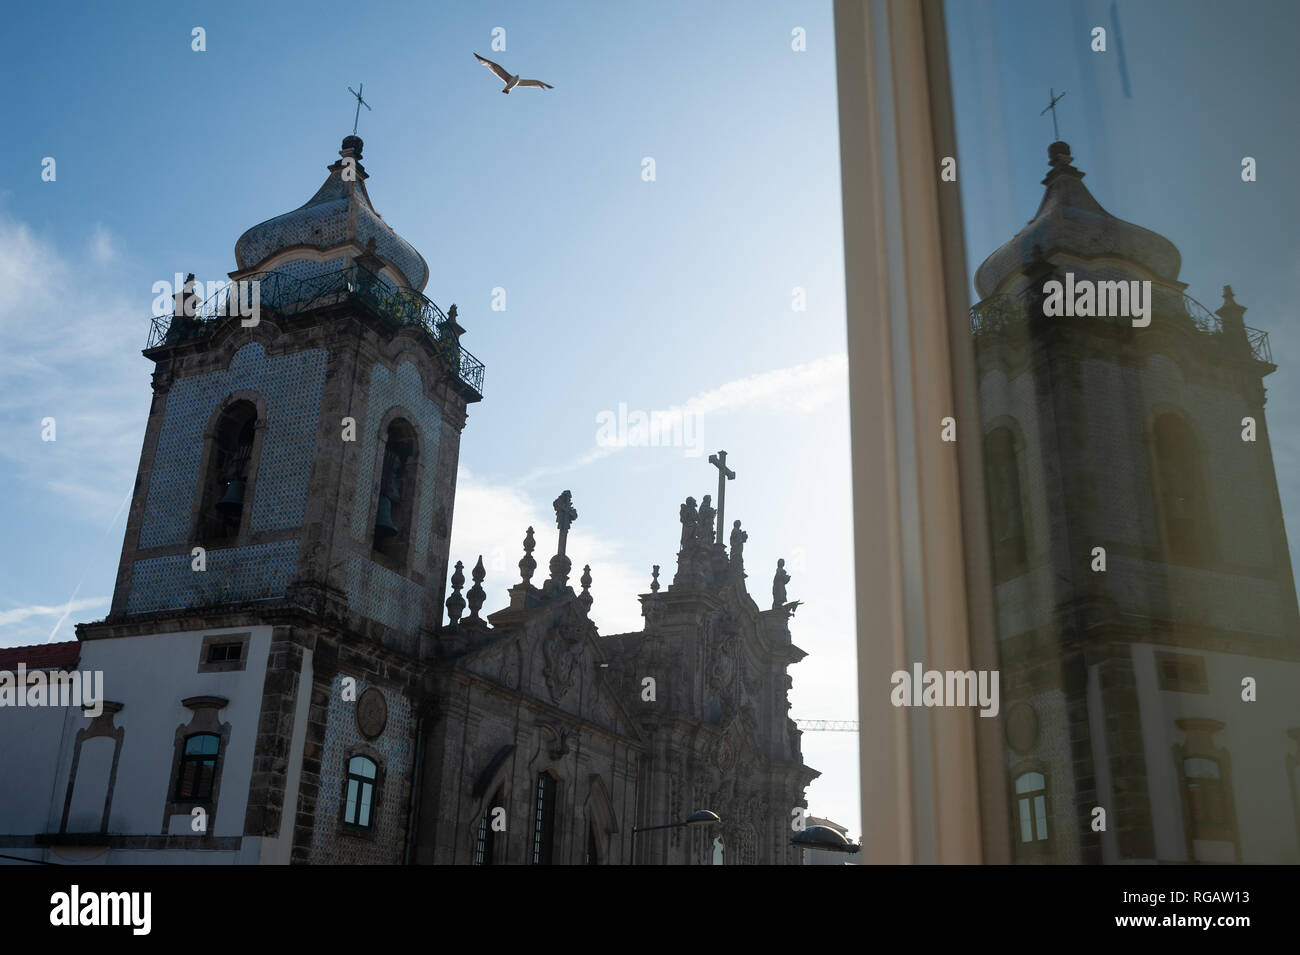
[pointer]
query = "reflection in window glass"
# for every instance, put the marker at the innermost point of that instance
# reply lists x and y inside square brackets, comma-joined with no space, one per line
[1138,490]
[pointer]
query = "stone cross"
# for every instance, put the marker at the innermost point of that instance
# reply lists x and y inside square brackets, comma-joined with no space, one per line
[360,103]
[725,474]
[1052,106]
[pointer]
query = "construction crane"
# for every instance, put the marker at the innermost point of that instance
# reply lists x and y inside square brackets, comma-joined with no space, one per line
[827,726]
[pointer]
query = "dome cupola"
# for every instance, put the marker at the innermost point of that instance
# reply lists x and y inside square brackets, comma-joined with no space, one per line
[331,230]
[1069,220]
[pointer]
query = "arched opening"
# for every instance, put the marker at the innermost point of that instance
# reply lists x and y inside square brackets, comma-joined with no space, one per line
[544,819]
[359,792]
[391,531]
[485,837]
[1006,506]
[227,492]
[1179,496]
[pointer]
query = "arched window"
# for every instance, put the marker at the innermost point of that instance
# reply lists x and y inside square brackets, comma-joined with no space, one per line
[544,820]
[359,794]
[198,768]
[226,494]
[1031,807]
[593,846]
[485,839]
[393,512]
[1006,507]
[1178,491]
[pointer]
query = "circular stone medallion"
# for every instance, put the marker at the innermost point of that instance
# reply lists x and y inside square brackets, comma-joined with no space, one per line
[1022,727]
[372,713]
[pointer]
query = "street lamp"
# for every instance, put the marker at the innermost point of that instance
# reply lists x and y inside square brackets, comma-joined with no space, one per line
[700,817]
[825,838]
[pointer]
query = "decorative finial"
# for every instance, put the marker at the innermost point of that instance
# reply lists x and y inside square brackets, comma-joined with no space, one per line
[527,565]
[1227,296]
[476,593]
[565,515]
[585,580]
[456,603]
[779,580]
[654,579]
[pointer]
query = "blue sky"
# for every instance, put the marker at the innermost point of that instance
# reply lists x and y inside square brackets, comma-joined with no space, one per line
[1208,83]
[672,293]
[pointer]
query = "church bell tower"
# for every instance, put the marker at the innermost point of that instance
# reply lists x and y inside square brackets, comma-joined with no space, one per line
[302,443]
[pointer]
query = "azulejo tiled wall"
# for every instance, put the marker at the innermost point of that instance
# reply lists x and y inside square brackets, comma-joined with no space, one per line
[302,269]
[377,593]
[388,389]
[385,841]
[232,574]
[291,387]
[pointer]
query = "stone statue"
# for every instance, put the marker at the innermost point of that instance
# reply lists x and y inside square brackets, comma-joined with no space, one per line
[707,515]
[779,580]
[565,512]
[738,538]
[690,521]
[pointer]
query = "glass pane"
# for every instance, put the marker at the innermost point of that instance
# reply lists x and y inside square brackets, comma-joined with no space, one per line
[366,791]
[1029,782]
[1026,828]
[1118,233]
[350,808]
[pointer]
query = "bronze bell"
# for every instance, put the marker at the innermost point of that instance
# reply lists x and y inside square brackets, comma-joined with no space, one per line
[384,526]
[232,502]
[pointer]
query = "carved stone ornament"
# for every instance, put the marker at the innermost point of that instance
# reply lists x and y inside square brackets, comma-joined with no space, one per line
[563,652]
[372,713]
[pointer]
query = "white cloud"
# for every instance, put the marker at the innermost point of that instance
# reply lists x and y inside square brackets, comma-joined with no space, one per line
[488,515]
[30,625]
[103,250]
[64,357]
[806,387]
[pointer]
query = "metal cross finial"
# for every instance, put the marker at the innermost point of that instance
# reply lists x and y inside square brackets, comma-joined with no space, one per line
[1052,106]
[360,103]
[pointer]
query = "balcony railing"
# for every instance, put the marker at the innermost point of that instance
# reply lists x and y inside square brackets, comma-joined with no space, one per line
[286,296]
[1001,311]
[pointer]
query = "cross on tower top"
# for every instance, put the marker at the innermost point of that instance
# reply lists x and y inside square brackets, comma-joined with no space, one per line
[725,474]
[360,103]
[1056,133]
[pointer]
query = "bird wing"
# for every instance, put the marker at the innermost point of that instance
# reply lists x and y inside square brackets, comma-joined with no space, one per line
[502,73]
[545,86]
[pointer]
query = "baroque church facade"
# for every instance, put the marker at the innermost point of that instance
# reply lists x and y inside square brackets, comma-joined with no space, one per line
[281,684]
[1149,639]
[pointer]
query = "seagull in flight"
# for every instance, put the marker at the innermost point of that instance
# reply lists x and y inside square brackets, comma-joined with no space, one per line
[511,81]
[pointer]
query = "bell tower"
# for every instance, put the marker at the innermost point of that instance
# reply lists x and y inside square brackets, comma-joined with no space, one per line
[1138,546]
[302,444]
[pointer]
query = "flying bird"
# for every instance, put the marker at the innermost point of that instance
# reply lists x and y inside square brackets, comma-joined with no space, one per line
[511,81]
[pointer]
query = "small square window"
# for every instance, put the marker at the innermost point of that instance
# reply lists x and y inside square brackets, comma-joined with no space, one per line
[223,652]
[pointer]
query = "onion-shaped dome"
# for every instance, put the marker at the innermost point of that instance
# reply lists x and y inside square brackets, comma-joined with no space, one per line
[339,217]
[1070,220]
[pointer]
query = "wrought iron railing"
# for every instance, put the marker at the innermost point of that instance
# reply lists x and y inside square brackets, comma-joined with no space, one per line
[286,296]
[995,314]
